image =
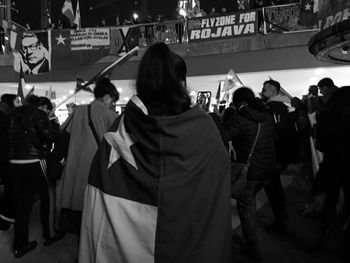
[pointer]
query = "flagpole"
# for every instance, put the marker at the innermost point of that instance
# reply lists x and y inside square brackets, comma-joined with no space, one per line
[103,72]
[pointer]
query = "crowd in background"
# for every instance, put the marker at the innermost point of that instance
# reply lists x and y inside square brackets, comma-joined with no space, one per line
[168,163]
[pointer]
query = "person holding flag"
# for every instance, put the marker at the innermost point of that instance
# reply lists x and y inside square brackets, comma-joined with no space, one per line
[159,184]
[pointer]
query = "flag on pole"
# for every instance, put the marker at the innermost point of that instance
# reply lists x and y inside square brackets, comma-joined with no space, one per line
[21,84]
[80,86]
[103,73]
[31,92]
[50,94]
[67,11]
[77,19]
[218,93]
[232,81]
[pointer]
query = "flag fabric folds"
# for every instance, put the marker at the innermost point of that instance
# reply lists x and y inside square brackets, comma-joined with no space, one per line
[307,17]
[77,18]
[232,81]
[152,198]
[67,11]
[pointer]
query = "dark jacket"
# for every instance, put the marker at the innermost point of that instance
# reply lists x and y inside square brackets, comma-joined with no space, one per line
[220,127]
[5,117]
[286,150]
[242,128]
[30,134]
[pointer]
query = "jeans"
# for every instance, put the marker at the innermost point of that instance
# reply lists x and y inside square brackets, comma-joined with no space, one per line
[275,194]
[246,206]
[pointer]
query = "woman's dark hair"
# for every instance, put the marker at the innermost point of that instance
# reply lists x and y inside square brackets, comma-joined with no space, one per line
[45,101]
[159,81]
[104,86]
[246,95]
[8,99]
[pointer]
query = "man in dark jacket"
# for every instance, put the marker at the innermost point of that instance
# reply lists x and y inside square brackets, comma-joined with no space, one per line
[7,104]
[278,106]
[30,135]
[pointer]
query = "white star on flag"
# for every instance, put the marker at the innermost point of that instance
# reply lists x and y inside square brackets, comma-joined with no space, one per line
[307,6]
[120,142]
[60,40]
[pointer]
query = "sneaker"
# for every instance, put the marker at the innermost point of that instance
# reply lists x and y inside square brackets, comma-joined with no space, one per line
[49,241]
[276,227]
[20,252]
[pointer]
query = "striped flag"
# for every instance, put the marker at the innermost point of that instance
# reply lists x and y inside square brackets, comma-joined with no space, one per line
[77,18]
[152,198]
[67,11]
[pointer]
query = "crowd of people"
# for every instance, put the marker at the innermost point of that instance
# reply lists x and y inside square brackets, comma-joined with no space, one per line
[154,183]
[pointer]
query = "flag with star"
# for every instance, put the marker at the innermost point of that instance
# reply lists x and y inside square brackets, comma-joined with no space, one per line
[158,191]
[307,16]
[75,48]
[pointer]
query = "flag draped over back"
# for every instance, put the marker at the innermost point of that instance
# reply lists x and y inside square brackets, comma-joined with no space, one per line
[152,198]
[67,10]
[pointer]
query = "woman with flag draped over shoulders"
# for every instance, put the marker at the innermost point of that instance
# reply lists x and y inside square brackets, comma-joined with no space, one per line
[159,184]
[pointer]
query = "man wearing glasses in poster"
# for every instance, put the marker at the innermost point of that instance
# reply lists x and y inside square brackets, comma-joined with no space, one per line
[33,56]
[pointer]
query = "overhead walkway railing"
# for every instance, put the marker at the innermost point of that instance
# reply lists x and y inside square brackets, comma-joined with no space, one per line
[121,39]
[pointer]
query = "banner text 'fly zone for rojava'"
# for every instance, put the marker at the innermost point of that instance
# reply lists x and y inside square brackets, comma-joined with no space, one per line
[222,26]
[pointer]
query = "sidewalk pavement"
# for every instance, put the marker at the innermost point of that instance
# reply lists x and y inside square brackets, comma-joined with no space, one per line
[294,247]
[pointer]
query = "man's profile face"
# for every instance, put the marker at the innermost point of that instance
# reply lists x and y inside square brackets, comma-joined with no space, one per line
[322,89]
[32,50]
[267,91]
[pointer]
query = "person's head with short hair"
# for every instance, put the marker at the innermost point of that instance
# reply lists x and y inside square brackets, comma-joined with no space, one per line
[270,89]
[70,107]
[106,92]
[313,90]
[11,100]
[161,81]
[325,84]
[45,105]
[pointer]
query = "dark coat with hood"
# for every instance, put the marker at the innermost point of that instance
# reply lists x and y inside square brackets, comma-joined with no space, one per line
[30,134]
[241,130]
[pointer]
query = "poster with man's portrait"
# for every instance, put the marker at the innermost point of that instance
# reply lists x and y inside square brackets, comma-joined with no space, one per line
[33,53]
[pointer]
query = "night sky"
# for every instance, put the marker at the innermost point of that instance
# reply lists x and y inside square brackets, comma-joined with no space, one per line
[29,10]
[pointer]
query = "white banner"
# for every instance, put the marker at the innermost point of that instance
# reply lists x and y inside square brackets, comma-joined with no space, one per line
[89,38]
